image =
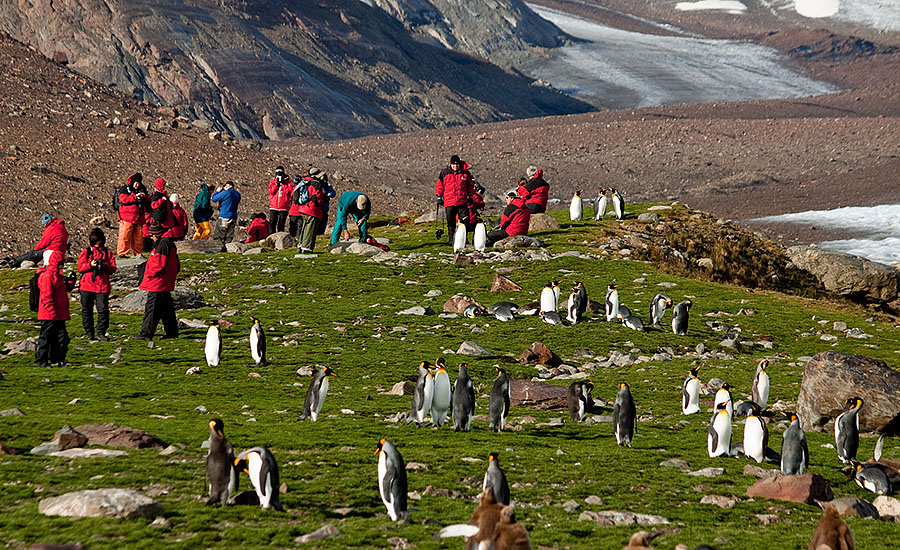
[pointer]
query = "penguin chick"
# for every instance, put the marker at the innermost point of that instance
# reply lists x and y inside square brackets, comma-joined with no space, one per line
[508,534]
[213,344]
[759,392]
[260,465]
[640,541]
[463,400]
[680,317]
[257,342]
[220,465]
[831,531]
[871,478]
[315,394]
[499,402]
[496,479]
[794,450]
[624,416]
[846,430]
[392,480]
[577,399]
[690,393]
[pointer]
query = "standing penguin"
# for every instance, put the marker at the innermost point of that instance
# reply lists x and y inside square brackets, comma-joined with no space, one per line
[618,204]
[723,395]
[718,441]
[846,430]
[499,403]
[760,389]
[794,451]
[220,465]
[690,393]
[548,298]
[257,342]
[576,208]
[576,305]
[213,344]
[612,303]
[315,393]
[871,478]
[480,237]
[463,400]
[624,416]
[600,205]
[496,479]
[756,436]
[680,317]
[556,293]
[577,399]
[658,307]
[260,465]
[459,238]
[440,400]
[392,480]
[423,393]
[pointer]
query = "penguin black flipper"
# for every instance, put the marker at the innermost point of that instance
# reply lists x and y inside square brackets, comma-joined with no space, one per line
[713,434]
[573,401]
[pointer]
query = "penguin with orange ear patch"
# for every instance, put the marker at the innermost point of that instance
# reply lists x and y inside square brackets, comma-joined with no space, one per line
[220,465]
[392,480]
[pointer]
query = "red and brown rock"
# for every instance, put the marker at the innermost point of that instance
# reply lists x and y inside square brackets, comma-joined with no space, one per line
[537,395]
[111,435]
[501,283]
[539,354]
[459,303]
[806,488]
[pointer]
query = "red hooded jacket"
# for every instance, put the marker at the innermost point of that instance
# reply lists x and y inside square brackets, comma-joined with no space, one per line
[258,230]
[536,190]
[160,205]
[55,237]
[96,282]
[162,267]
[54,302]
[129,204]
[455,187]
[515,218]
[181,222]
[313,206]
[280,194]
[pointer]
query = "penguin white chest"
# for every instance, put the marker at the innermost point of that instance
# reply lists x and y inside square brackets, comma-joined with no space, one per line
[722,444]
[575,208]
[459,238]
[691,398]
[753,438]
[382,472]
[262,486]
[601,208]
[323,391]
[724,396]
[213,346]
[480,237]
[548,300]
[762,389]
[440,401]
[254,344]
[612,306]
[618,207]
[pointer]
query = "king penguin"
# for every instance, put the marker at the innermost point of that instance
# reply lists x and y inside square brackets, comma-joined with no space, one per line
[624,416]
[680,317]
[794,450]
[440,399]
[315,394]
[474,310]
[220,465]
[551,317]
[846,430]
[756,436]
[723,395]
[257,342]
[260,465]
[556,293]
[499,403]
[479,239]
[632,321]
[690,393]
[618,204]
[612,303]
[423,393]
[718,441]
[760,389]
[496,479]
[576,208]
[459,238]
[577,399]
[213,344]
[576,305]
[392,480]
[548,298]
[658,307]
[463,400]
[871,478]
[600,205]
[504,313]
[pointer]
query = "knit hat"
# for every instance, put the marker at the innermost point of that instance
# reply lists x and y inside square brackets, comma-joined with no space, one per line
[279,170]
[136,178]
[511,194]
[160,184]
[174,198]
[455,159]
[531,171]
[45,219]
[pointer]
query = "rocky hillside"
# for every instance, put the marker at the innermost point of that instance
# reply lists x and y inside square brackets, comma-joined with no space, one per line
[279,69]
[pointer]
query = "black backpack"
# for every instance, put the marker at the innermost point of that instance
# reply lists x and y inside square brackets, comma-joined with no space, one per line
[115,201]
[34,293]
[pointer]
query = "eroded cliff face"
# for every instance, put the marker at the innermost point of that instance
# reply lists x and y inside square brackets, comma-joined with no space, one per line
[277,68]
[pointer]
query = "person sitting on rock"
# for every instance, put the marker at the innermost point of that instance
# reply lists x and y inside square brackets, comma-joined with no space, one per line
[95,263]
[54,241]
[513,221]
[356,204]
[259,228]
[535,190]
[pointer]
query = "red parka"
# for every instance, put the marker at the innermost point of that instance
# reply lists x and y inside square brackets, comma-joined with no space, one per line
[476,204]
[96,282]
[258,230]
[181,222]
[54,302]
[313,206]
[160,206]
[280,194]
[536,190]
[129,204]
[162,267]
[515,218]
[55,237]
[455,187]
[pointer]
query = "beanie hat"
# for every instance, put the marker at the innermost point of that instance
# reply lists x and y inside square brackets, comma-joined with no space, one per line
[279,170]
[45,219]
[174,197]
[160,184]
[531,170]
[511,194]
[136,178]
[455,159]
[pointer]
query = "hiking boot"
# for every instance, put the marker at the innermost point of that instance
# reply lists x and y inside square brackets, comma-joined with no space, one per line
[43,364]
[62,364]
[103,338]
[90,336]
[141,337]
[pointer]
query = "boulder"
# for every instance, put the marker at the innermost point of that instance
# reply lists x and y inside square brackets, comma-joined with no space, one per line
[888,507]
[111,435]
[459,303]
[501,283]
[518,241]
[236,247]
[280,241]
[719,500]
[806,488]
[114,503]
[363,249]
[184,298]
[540,354]
[69,438]
[471,348]
[207,246]
[651,217]
[614,517]
[254,250]
[403,388]
[542,222]
[537,395]
[129,272]
[831,377]
[853,507]
[848,275]
[326,531]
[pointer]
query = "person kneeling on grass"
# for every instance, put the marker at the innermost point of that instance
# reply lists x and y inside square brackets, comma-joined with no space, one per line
[259,228]
[95,263]
[513,221]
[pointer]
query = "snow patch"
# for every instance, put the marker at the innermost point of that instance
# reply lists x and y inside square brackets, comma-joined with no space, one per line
[730,6]
[815,9]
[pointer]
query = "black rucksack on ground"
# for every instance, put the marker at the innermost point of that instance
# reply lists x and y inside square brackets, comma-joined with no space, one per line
[34,293]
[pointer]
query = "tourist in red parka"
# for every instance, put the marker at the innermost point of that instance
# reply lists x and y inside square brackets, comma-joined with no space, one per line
[311,211]
[53,312]
[280,190]
[535,191]
[159,282]
[161,206]
[55,240]
[132,199]
[513,221]
[258,230]
[181,219]
[96,263]
[454,188]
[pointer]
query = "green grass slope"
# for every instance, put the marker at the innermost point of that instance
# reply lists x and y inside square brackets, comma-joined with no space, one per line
[341,311]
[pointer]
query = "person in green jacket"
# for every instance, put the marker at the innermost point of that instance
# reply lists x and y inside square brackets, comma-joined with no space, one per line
[356,204]
[203,211]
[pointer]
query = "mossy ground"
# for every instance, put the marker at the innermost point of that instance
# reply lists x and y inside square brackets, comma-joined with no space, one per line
[342,312]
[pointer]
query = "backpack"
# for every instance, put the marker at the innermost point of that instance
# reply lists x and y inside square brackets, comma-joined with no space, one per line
[301,193]
[162,213]
[115,201]
[34,293]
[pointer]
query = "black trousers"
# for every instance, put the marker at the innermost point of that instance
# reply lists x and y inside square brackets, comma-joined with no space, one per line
[276,220]
[294,225]
[160,307]
[52,344]
[452,211]
[88,301]
[31,256]
[494,236]
[535,209]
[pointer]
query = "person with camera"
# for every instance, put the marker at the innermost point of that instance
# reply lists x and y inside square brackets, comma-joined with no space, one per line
[280,189]
[95,263]
[454,188]
[309,195]
[53,312]
[159,282]
[229,199]
[132,204]
[513,221]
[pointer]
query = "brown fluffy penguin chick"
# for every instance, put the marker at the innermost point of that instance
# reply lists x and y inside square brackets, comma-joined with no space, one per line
[640,541]
[510,535]
[486,517]
[832,532]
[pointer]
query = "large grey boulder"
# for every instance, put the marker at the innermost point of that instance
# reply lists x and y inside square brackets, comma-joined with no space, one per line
[363,249]
[518,241]
[830,378]
[208,246]
[542,222]
[184,298]
[236,247]
[128,272]
[848,275]
[114,503]
[112,435]
[537,395]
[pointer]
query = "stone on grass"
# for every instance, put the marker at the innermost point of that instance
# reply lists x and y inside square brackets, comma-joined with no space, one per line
[676,463]
[417,310]
[471,348]
[501,283]
[761,473]
[208,246]
[112,435]
[236,247]
[89,453]
[109,502]
[538,353]
[12,412]
[708,472]
[403,388]
[326,531]
[69,438]
[719,500]
[806,488]
[537,395]
[184,298]
[542,222]
[848,275]
[887,506]
[571,506]
[459,303]
[594,500]
[129,271]
[518,241]
[363,249]
[614,517]
[853,507]
[281,240]
[648,217]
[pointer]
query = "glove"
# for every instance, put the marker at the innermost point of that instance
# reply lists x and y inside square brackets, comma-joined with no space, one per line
[440,201]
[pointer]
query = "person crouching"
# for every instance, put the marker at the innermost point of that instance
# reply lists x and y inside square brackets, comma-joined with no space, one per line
[53,312]
[95,263]
[513,221]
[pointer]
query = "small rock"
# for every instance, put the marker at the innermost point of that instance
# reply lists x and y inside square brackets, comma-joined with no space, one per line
[839,326]
[69,438]
[12,412]
[614,517]
[171,449]
[708,472]
[676,463]
[761,473]
[471,348]
[161,523]
[200,408]
[326,531]
[193,370]
[593,500]
[767,519]
[432,293]
[403,388]
[887,506]
[416,466]
[719,500]
[571,506]
[417,310]
[88,453]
